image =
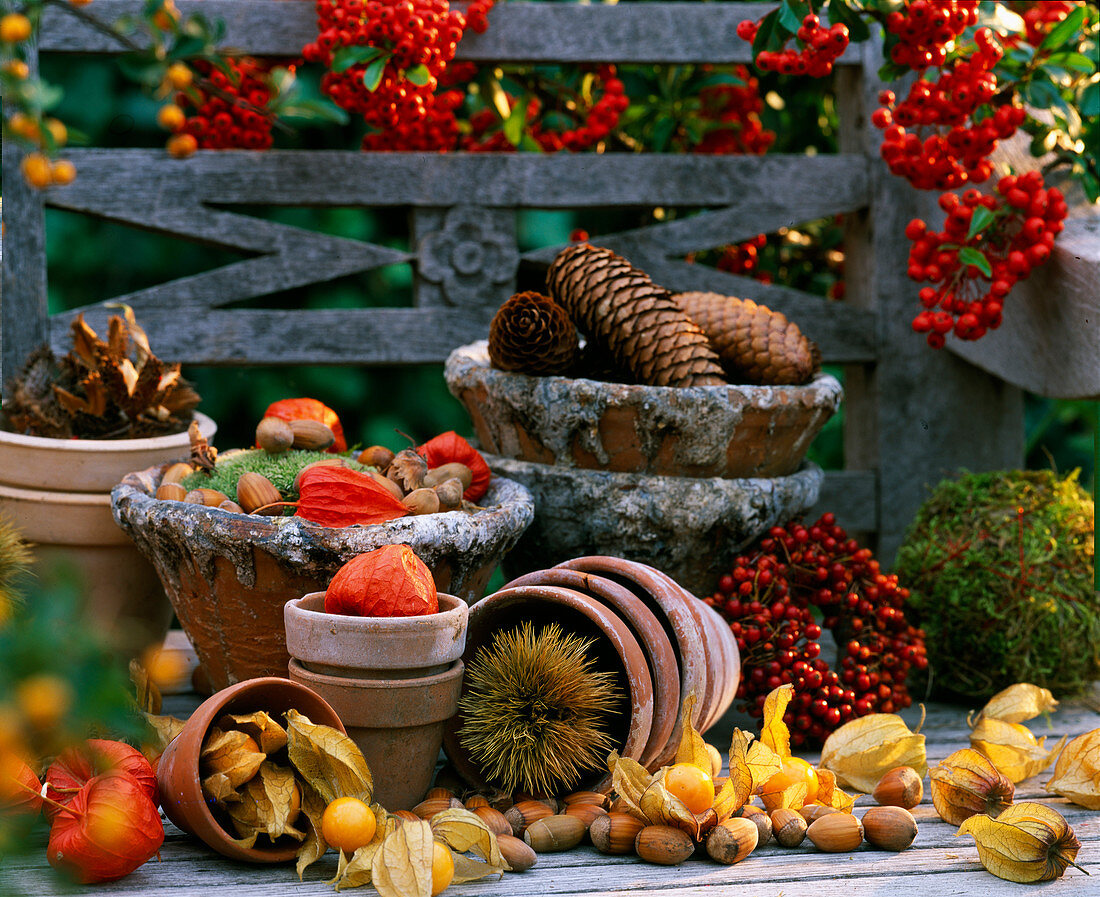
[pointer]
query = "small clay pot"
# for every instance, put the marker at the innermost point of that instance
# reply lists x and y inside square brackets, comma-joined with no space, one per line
[375,647]
[178,777]
[397,724]
[615,649]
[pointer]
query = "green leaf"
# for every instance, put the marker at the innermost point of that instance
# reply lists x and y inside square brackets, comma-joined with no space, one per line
[513,125]
[315,110]
[720,79]
[528,144]
[1090,100]
[418,75]
[372,74]
[970,256]
[1065,29]
[841,12]
[1076,62]
[767,37]
[344,58]
[791,14]
[144,71]
[186,47]
[662,133]
[891,71]
[981,219]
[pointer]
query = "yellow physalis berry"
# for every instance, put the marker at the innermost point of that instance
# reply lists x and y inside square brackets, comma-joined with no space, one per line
[443,867]
[58,131]
[164,668]
[180,146]
[692,785]
[22,125]
[794,770]
[36,169]
[171,117]
[43,699]
[167,16]
[179,76]
[14,27]
[347,824]
[62,172]
[17,68]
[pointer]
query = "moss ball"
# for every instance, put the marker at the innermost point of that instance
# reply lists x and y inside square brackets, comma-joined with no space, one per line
[1000,570]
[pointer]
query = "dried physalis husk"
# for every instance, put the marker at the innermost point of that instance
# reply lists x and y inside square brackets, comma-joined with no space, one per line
[327,759]
[463,831]
[1027,842]
[966,783]
[264,730]
[268,804]
[228,760]
[408,470]
[1017,703]
[1077,773]
[861,751]
[1012,748]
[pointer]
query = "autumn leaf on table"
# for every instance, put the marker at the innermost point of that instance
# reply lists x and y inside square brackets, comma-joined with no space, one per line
[1017,703]
[1012,748]
[863,750]
[1077,773]
[1028,842]
[966,783]
[328,760]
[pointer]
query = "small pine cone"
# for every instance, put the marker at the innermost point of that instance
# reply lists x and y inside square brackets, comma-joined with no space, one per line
[756,344]
[532,334]
[635,321]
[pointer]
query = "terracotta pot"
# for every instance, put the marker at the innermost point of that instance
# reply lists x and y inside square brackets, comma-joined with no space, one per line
[57,492]
[664,668]
[178,777]
[692,529]
[614,649]
[709,431]
[397,723]
[228,575]
[394,681]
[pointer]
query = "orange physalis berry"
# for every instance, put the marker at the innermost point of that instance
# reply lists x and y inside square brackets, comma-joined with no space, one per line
[443,867]
[179,76]
[348,824]
[17,68]
[62,172]
[180,146]
[692,785]
[171,117]
[14,27]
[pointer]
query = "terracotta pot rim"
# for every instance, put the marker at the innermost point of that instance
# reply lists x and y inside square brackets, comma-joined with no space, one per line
[140,444]
[455,671]
[456,610]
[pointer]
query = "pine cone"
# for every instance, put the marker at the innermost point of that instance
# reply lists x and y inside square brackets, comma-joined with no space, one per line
[756,344]
[635,321]
[532,334]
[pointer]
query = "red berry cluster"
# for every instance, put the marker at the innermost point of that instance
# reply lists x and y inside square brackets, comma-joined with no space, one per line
[926,27]
[743,258]
[820,48]
[736,110]
[404,113]
[769,599]
[1026,220]
[958,151]
[229,113]
[1040,17]
[592,121]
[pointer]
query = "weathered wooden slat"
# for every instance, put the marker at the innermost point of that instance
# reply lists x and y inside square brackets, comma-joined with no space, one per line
[1049,342]
[518,32]
[367,336]
[333,178]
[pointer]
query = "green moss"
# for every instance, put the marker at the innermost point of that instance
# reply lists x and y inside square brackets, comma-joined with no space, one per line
[1000,570]
[280,469]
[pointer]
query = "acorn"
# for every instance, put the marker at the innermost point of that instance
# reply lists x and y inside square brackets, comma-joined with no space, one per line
[587,797]
[664,845]
[209,497]
[731,841]
[274,435]
[524,813]
[254,490]
[788,827]
[231,506]
[450,470]
[615,833]
[761,820]
[311,435]
[517,853]
[889,828]
[836,833]
[450,494]
[494,820]
[422,501]
[376,456]
[171,492]
[900,787]
[587,813]
[176,473]
[554,833]
[812,812]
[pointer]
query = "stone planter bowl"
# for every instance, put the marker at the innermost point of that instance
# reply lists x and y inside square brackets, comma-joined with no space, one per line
[707,431]
[178,776]
[394,682]
[228,575]
[691,529]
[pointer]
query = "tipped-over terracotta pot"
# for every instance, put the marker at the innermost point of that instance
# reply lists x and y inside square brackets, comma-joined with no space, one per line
[614,649]
[178,777]
[394,682]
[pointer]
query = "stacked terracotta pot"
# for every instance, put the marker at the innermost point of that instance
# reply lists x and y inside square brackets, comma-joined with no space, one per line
[661,642]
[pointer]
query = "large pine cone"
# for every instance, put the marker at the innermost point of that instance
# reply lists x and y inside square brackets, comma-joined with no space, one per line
[532,334]
[632,319]
[756,344]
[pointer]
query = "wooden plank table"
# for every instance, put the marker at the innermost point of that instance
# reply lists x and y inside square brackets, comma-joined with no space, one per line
[936,865]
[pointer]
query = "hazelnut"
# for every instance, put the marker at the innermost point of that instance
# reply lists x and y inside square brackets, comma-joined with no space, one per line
[836,832]
[788,827]
[615,833]
[518,854]
[554,833]
[889,828]
[900,787]
[664,845]
[731,841]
